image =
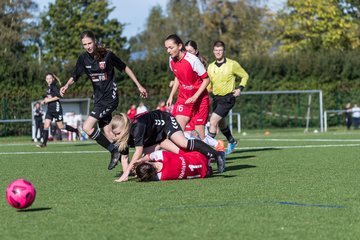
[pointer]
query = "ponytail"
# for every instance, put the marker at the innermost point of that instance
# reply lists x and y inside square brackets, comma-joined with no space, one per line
[123,122]
[54,77]
[57,79]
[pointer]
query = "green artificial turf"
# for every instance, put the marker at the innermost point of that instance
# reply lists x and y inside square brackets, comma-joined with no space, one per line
[286,185]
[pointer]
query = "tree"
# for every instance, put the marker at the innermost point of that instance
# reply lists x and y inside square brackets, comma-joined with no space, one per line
[239,24]
[315,25]
[148,42]
[18,31]
[64,22]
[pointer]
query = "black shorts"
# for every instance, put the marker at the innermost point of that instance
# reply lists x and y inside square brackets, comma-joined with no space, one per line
[102,111]
[223,104]
[171,125]
[167,126]
[57,115]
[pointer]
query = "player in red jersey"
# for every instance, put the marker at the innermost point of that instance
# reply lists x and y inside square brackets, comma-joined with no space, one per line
[152,130]
[191,79]
[164,165]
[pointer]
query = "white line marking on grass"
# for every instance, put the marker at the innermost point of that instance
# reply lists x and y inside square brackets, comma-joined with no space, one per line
[303,146]
[64,152]
[300,140]
[242,148]
[53,143]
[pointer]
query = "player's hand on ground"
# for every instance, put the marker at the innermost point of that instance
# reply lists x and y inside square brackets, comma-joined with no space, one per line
[143,92]
[237,92]
[122,179]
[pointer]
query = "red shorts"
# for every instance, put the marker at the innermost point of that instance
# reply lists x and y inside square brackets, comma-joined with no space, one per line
[198,112]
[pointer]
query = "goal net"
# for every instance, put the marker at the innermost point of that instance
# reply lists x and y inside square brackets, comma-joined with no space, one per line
[279,109]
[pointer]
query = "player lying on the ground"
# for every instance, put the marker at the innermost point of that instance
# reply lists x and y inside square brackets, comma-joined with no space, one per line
[152,129]
[163,165]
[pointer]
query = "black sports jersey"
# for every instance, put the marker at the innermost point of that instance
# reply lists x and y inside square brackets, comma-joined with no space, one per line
[101,74]
[152,128]
[53,91]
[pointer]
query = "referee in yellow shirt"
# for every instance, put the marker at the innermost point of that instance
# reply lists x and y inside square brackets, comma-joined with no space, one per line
[223,72]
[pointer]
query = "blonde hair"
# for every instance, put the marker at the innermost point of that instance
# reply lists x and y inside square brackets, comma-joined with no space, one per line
[123,122]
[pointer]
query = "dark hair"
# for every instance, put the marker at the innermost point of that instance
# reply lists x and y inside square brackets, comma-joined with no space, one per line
[194,45]
[177,40]
[219,44]
[54,77]
[145,171]
[99,51]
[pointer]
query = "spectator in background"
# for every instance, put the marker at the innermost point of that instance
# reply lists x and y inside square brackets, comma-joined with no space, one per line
[38,117]
[141,108]
[131,112]
[348,117]
[356,116]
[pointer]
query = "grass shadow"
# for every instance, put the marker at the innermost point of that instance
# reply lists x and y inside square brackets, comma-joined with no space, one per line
[255,150]
[238,167]
[217,175]
[229,159]
[35,209]
[84,144]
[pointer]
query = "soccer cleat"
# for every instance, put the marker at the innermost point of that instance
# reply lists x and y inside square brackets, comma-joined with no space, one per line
[115,156]
[78,136]
[41,145]
[220,161]
[220,146]
[209,171]
[231,147]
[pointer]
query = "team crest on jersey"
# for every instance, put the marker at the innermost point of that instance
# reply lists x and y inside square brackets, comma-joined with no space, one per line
[102,65]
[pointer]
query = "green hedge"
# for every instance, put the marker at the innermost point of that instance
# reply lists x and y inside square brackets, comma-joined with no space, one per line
[336,73]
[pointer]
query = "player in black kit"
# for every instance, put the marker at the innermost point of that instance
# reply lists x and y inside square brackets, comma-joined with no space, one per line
[54,109]
[98,64]
[151,130]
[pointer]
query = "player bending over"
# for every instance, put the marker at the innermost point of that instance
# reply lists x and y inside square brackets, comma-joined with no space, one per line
[152,129]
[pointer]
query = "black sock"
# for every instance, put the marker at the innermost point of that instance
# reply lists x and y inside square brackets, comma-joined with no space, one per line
[213,135]
[200,146]
[227,133]
[70,128]
[102,140]
[45,135]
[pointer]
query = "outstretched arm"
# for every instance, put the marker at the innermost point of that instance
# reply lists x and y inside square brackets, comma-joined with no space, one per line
[142,90]
[135,158]
[66,86]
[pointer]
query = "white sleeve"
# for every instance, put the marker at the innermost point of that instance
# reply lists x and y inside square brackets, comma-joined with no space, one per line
[170,64]
[157,155]
[196,64]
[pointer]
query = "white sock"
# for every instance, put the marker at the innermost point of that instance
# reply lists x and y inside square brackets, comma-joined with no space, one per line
[188,135]
[210,141]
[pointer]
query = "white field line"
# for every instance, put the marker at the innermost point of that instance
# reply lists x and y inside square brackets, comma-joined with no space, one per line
[302,146]
[52,143]
[298,140]
[62,152]
[240,148]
